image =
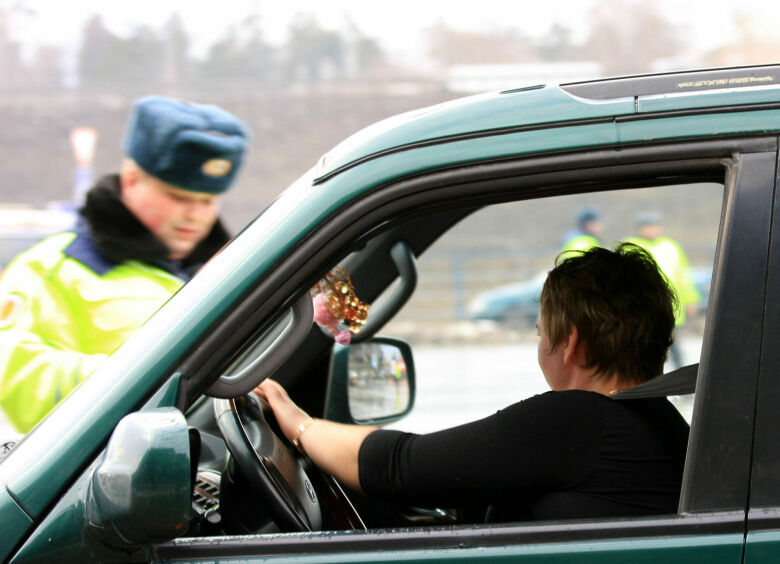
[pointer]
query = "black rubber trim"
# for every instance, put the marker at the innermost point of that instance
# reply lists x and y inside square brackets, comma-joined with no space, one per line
[764,519]
[471,536]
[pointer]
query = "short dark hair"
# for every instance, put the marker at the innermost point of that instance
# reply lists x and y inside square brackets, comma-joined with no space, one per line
[621,305]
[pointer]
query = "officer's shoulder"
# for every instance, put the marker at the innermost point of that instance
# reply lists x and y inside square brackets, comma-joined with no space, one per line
[46,253]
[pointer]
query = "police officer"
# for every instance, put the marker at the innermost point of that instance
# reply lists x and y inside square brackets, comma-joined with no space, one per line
[72,299]
[673,262]
[587,233]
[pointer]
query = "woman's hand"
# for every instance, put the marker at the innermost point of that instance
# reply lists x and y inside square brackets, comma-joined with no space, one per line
[288,415]
[334,447]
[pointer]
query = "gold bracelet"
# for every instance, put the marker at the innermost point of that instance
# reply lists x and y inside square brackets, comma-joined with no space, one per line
[301,428]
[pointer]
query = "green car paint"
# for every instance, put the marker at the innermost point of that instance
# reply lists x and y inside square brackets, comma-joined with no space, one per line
[482,114]
[762,546]
[62,531]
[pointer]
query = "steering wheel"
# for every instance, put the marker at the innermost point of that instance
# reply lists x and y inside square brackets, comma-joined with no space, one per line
[289,487]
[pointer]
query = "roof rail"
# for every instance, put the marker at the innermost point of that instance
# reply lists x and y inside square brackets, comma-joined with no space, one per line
[675,82]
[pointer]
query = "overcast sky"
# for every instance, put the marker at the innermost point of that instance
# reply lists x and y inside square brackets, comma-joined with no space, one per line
[397,25]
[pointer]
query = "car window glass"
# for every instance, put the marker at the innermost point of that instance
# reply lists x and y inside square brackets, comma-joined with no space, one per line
[471,319]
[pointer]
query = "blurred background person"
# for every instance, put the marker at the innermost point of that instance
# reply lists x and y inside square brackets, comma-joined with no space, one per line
[587,232]
[71,300]
[673,262]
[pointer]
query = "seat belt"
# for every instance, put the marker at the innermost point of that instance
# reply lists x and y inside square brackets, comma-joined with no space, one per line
[675,383]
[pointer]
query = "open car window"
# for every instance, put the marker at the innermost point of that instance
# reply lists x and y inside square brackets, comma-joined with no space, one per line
[472,318]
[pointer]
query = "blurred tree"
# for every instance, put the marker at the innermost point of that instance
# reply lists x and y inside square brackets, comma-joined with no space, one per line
[176,64]
[97,45]
[45,71]
[756,43]
[448,46]
[627,36]
[362,54]
[111,63]
[313,53]
[11,66]
[556,45]
[141,58]
[242,53]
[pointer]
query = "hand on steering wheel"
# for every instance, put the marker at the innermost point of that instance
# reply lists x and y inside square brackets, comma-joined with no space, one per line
[278,479]
[288,415]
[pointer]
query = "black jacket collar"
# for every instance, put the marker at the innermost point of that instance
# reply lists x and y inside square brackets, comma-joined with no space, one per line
[120,236]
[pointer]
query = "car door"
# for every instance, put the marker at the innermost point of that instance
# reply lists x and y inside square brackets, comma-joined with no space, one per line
[710,524]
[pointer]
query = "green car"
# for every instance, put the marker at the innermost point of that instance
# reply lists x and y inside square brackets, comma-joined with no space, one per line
[165,455]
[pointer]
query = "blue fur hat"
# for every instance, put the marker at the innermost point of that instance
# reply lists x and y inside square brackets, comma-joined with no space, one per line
[195,147]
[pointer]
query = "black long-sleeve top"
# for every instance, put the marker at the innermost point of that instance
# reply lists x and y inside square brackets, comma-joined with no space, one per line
[558,455]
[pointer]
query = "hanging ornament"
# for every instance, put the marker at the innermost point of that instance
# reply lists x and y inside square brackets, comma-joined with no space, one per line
[337,307]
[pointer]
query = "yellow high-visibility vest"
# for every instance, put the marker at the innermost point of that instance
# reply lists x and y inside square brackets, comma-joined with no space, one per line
[674,264]
[59,320]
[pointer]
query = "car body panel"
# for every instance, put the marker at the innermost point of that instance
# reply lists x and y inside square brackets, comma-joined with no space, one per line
[730,123]
[486,113]
[73,433]
[60,536]
[523,108]
[16,523]
[762,546]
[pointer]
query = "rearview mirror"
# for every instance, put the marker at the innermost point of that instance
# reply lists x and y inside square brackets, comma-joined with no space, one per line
[371,382]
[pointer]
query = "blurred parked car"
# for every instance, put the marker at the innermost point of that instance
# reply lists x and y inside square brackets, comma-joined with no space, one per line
[517,305]
[21,227]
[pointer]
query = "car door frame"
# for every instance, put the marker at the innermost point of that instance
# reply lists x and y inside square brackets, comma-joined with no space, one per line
[713,505]
[763,529]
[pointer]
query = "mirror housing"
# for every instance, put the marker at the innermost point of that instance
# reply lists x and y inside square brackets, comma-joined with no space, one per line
[371,382]
[141,493]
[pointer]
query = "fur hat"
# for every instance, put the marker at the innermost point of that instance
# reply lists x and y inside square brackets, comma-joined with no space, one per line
[196,147]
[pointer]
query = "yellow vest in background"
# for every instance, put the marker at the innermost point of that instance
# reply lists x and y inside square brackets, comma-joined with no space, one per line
[674,264]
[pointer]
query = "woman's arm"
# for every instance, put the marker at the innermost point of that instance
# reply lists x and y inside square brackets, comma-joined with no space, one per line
[332,446]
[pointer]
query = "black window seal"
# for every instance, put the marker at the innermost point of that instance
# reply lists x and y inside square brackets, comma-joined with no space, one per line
[457,537]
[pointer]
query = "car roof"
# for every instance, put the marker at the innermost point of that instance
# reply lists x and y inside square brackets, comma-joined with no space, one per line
[541,106]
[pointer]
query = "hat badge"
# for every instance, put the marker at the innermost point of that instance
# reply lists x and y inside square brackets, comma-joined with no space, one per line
[217,167]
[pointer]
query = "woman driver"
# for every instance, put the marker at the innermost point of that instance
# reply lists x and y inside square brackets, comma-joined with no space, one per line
[605,325]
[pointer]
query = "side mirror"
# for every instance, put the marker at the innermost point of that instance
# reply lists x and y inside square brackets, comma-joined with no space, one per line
[371,382]
[140,493]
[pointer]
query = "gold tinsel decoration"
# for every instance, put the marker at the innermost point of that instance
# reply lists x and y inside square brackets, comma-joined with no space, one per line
[342,300]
